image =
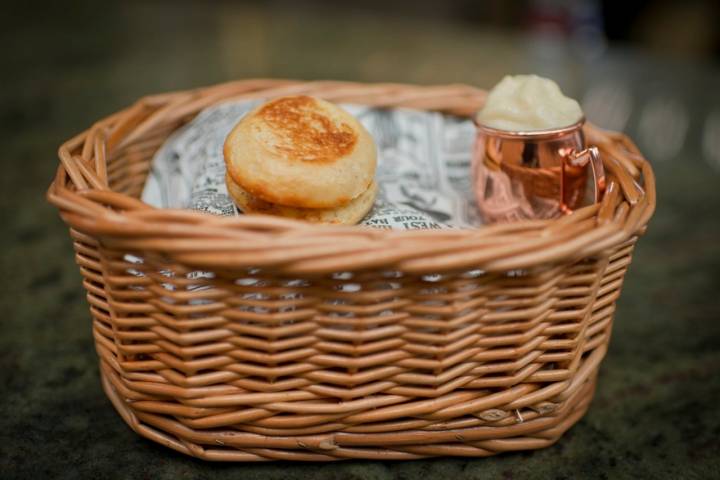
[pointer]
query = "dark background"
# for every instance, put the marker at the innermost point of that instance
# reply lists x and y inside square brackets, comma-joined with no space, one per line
[651,69]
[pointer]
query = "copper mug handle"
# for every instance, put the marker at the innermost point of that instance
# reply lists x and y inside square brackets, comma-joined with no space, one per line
[580,159]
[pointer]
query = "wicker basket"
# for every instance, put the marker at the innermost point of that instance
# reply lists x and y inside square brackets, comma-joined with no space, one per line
[326,343]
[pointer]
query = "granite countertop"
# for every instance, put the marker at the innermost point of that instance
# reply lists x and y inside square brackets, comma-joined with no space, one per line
[657,410]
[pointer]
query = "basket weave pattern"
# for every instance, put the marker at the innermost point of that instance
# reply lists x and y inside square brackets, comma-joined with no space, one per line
[305,342]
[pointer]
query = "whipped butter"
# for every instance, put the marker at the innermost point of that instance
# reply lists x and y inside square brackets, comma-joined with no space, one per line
[528,102]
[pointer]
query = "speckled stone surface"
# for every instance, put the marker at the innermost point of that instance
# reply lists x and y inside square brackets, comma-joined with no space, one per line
[657,410]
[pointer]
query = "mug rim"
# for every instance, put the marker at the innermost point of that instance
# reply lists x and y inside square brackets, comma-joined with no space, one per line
[549,132]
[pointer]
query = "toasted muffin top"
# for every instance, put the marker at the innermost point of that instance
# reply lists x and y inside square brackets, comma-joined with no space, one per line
[299,129]
[301,151]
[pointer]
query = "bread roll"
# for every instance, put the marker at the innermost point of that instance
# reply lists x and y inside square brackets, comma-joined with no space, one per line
[301,152]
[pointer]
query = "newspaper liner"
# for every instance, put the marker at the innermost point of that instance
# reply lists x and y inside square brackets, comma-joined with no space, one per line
[423,167]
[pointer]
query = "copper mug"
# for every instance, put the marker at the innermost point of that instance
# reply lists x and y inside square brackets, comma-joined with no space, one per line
[540,174]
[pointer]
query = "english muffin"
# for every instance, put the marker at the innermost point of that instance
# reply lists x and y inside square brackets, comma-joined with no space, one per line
[301,152]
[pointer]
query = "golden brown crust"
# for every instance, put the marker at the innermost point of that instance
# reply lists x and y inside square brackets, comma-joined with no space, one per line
[303,132]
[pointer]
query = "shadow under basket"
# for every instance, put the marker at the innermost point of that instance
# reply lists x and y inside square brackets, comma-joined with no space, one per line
[260,338]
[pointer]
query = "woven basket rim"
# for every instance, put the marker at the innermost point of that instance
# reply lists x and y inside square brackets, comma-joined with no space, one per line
[81,192]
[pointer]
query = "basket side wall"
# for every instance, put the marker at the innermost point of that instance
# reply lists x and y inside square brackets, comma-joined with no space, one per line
[349,365]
